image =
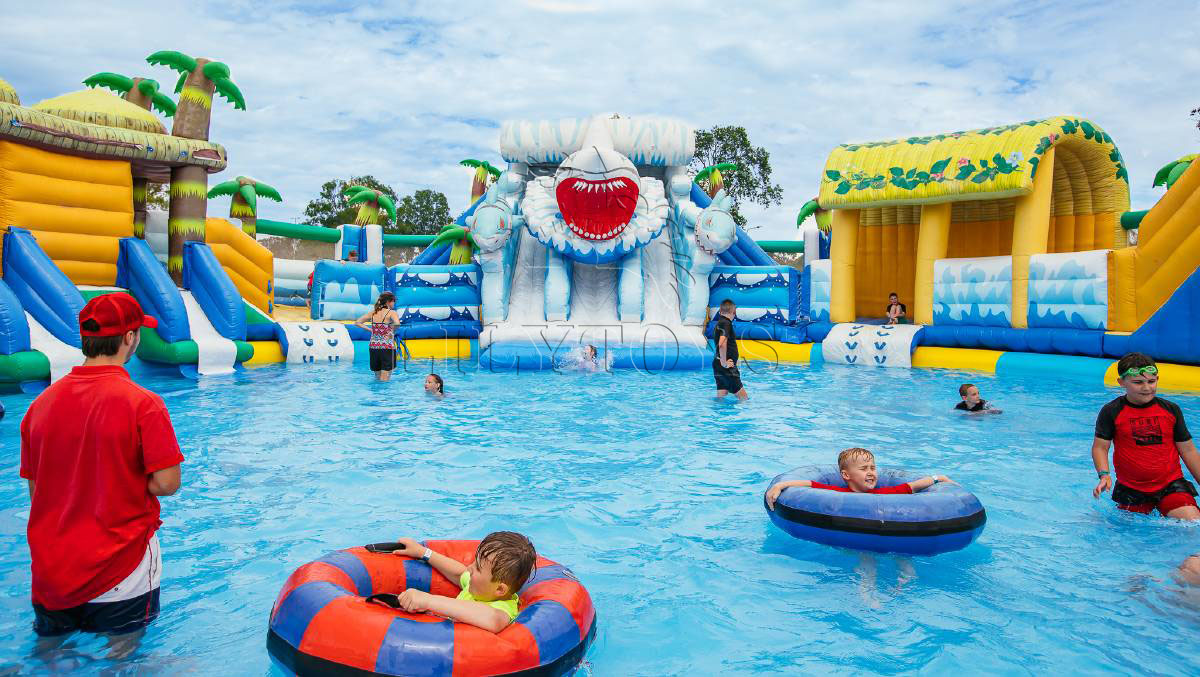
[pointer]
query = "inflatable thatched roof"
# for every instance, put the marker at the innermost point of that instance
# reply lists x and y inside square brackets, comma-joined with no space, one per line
[982,164]
[152,155]
[8,94]
[101,108]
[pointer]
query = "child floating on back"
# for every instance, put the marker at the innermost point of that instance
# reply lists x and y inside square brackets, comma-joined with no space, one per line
[972,402]
[503,563]
[1150,437]
[858,470]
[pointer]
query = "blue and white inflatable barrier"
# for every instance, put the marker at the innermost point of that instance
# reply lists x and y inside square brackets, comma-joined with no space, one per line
[942,518]
[437,301]
[344,290]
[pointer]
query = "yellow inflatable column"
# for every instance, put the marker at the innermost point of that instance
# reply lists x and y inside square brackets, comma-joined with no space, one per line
[843,252]
[1031,229]
[932,241]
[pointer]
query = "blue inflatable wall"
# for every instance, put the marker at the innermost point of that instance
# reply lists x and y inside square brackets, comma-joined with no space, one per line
[344,290]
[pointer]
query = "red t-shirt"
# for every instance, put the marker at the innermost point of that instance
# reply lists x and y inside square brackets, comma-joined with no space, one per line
[898,489]
[1144,436]
[89,442]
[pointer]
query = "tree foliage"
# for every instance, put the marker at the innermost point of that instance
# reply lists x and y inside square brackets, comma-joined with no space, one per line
[750,182]
[158,196]
[331,209]
[424,212]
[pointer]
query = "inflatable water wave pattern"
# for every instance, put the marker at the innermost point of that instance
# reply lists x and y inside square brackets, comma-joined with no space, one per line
[942,518]
[321,623]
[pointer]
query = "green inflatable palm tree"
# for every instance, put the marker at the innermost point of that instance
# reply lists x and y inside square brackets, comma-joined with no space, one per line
[369,202]
[244,206]
[198,80]
[1170,172]
[712,175]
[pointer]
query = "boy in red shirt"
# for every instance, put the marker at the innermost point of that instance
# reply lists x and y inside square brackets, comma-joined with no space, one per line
[1150,437]
[97,450]
[858,469]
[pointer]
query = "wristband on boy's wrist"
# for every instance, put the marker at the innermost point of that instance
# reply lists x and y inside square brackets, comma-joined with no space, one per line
[1102,473]
[427,555]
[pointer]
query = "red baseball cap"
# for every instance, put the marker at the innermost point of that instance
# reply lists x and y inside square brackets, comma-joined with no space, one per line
[116,314]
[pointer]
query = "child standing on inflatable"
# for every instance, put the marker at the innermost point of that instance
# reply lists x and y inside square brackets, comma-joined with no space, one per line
[1150,437]
[383,335]
[503,562]
[858,470]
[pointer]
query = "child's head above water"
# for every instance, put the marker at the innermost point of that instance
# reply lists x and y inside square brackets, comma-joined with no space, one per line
[503,562]
[434,384]
[589,353]
[969,393]
[858,468]
[1138,375]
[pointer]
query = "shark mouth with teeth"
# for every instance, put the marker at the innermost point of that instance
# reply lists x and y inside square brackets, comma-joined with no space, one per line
[597,209]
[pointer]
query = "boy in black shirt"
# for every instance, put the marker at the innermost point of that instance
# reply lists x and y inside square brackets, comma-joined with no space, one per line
[972,402]
[897,313]
[725,369]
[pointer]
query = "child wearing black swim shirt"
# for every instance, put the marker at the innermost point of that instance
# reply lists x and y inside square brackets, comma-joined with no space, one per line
[972,402]
[1150,439]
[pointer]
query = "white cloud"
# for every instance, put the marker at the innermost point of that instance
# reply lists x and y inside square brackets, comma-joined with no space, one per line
[404,91]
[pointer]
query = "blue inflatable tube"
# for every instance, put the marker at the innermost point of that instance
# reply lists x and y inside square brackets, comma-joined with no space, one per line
[942,518]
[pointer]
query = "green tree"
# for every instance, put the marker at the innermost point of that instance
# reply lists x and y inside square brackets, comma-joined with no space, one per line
[331,207]
[424,212]
[750,181]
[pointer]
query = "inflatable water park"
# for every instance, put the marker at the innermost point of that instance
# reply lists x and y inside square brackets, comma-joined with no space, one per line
[1015,245]
[1014,250]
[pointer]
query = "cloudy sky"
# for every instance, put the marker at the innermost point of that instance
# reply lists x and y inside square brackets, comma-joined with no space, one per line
[406,90]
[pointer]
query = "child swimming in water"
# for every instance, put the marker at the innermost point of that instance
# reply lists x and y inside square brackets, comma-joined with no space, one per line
[435,386]
[503,563]
[972,402]
[858,470]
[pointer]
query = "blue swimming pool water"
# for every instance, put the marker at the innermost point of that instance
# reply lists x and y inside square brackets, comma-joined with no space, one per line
[650,490]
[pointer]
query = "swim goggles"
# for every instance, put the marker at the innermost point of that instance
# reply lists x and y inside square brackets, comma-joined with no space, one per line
[1138,371]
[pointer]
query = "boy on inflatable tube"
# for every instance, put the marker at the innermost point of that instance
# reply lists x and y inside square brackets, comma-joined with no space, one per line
[503,563]
[858,470]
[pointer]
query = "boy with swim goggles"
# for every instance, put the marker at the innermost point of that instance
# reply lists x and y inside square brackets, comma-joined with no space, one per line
[1150,438]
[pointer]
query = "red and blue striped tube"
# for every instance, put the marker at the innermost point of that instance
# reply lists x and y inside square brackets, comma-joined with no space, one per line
[321,623]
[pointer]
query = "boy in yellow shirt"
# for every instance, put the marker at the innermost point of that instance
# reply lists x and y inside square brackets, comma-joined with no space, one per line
[503,562]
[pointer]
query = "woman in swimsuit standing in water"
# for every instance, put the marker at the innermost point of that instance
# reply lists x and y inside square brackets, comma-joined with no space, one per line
[383,322]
